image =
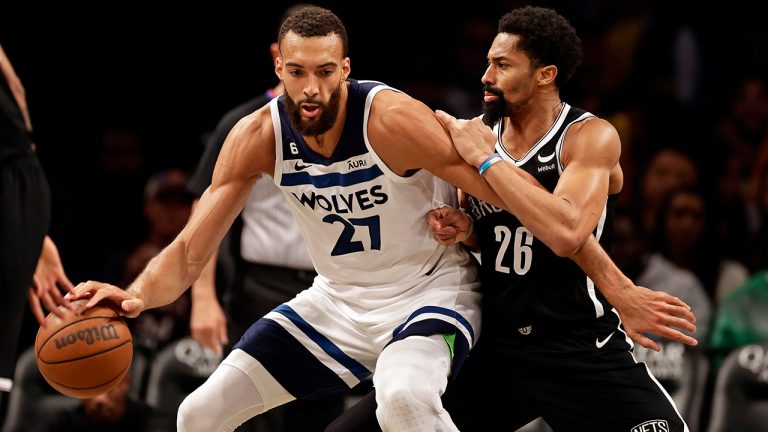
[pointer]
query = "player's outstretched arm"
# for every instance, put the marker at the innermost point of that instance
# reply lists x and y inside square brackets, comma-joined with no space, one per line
[248,152]
[641,310]
[407,136]
[565,219]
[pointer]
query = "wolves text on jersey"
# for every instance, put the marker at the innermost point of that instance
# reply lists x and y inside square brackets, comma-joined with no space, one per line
[349,202]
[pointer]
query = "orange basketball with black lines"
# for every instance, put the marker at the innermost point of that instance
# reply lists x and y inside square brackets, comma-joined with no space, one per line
[86,352]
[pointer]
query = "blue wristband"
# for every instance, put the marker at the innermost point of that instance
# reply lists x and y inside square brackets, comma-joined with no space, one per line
[492,159]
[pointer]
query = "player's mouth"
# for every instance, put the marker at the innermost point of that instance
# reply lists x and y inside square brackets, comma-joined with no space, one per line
[310,110]
[490,97]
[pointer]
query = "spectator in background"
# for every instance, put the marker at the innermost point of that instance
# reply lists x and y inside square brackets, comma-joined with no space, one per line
[29,261]
[686,235]
[167,205]
[745,128]
[668,170]
[742,317]
[111,411]
[758,210]
[631,254]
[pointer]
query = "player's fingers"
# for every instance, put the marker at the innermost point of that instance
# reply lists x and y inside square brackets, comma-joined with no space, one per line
[96,297]
[132,307]
[223,336]
[446,119]
[58,298]
[34,304]
[50,305]
[64,282]
[207,340]
[643,340]
[433,219]
[677,336]
[82,289]
[37,283]
[673,321]
[669,298]
[446,242]
[681,312]
[453,217]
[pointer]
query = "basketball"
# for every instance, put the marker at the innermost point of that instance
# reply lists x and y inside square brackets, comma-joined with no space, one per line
[86,352]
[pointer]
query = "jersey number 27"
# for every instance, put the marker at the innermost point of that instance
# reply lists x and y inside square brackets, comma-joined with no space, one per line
[345,244]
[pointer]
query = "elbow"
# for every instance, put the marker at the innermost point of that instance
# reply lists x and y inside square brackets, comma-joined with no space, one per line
[568,245]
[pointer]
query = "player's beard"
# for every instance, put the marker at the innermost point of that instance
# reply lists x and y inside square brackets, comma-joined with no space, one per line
[494,111]
[319,125]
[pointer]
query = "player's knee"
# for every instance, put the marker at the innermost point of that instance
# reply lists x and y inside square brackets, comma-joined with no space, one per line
[406,399]
[194,414]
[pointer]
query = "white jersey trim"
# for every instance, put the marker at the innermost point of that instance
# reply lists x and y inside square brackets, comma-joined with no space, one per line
[366,116]
[275,112]
[543,140]
[561,141]
[599,310]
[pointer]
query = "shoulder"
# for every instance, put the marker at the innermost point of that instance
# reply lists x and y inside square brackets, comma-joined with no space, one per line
[395,114]
[593,137]
[250,147]
[391,106]
[405,132]
[594,129]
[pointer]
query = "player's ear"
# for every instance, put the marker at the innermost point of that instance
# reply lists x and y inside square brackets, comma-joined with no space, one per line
[274,50]
[345,69]
[279,67]
[547,74]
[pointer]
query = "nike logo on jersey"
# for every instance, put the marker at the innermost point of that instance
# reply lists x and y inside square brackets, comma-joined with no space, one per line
[298,166]
[545,159]
[599,344]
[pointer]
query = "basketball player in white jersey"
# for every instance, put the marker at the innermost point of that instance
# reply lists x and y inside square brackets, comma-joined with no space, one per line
[357,162]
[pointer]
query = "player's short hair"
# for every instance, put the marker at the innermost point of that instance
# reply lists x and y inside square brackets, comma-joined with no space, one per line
[313,21]
[546,37]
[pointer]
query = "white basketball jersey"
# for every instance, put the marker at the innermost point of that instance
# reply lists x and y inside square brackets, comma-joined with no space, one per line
[365,226]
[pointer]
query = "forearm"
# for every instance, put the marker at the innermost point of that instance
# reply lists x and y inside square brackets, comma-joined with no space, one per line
[166,276]
[550,218]
[596,263]
[204,288]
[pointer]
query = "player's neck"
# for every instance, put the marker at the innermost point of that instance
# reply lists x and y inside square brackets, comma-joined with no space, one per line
[525,127]
[326,143]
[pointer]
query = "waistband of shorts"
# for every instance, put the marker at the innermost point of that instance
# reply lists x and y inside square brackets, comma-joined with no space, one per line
[304,275]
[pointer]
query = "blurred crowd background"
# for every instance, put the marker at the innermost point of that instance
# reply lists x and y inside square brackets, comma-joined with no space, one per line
[123,95]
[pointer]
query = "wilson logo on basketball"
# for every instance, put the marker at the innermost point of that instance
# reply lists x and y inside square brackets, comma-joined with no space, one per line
[89,336]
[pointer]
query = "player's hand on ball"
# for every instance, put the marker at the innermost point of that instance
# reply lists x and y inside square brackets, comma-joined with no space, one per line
[130,305]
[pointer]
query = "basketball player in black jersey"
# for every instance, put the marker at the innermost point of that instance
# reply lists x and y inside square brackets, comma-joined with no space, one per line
[552,345]
[29,260]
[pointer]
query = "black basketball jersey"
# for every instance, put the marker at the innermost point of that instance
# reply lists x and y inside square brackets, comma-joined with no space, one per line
[15,139]
[526,287]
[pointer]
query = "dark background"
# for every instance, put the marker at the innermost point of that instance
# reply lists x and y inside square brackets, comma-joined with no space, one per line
[161,75]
